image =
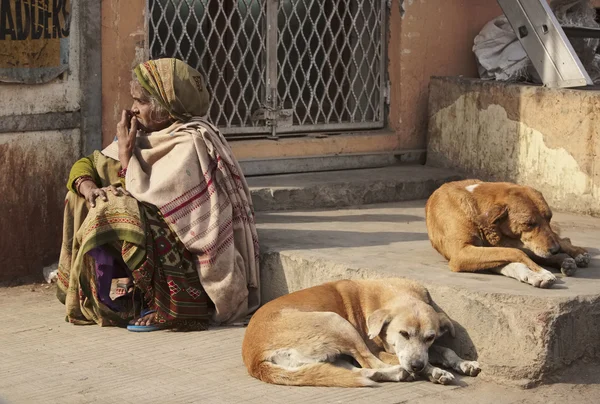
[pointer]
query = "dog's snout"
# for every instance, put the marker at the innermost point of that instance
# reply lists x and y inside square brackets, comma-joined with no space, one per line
[417,366]
[555,249]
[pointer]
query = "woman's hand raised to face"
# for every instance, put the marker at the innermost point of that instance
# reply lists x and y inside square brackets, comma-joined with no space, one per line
[126,133]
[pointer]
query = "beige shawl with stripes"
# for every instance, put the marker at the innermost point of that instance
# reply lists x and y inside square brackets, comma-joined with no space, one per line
[189,172]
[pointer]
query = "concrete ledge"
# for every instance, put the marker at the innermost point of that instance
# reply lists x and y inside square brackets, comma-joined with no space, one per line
[316,144]
[353,161]
[40,122]
[520,334]
[547,138]
[346,188]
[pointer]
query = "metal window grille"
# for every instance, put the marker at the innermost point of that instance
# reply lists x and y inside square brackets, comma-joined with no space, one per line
[280,66]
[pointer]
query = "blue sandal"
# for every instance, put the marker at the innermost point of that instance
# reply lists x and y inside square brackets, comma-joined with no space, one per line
[143,328]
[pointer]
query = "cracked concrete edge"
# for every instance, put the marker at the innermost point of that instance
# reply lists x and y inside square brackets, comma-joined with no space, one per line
[572,334]
[519,340]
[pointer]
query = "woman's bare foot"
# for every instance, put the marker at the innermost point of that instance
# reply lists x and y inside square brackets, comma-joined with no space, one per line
[146,320]
[145,323]
[124,286]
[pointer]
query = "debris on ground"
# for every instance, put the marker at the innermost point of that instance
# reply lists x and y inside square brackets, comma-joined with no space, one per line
[51,273]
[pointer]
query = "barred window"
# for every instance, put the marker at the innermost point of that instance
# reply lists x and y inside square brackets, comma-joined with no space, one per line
[281,66]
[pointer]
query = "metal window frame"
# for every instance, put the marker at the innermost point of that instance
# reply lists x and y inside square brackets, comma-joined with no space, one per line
[274,126]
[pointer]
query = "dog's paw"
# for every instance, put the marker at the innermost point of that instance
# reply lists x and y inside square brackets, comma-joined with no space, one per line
[543,279]
[401,375]
[469,368]
[568,267]
[583,260]
[391,374]
[441,376]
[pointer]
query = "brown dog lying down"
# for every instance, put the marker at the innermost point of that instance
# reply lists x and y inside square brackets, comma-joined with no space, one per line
[501,227]
[388,326]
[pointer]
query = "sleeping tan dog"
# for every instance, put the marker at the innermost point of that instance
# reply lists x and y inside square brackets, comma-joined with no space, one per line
[501,227]
[313,336]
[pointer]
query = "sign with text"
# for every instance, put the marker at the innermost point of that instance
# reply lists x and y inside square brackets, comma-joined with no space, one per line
[34,40]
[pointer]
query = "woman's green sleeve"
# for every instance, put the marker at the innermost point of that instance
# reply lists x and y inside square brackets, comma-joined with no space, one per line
[84,166]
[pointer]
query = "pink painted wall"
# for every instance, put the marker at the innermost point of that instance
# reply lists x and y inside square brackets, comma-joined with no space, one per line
[432,38]
[123,36]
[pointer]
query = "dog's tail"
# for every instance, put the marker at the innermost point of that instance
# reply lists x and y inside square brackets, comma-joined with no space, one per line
[314,374]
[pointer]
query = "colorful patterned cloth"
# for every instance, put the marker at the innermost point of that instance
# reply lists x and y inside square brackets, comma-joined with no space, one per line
[169,279]
[160,265]
[203,218]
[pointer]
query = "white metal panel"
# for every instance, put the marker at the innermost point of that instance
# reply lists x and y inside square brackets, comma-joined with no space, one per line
[545,43]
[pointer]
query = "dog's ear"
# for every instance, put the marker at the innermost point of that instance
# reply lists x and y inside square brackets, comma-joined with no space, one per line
[446,325]
[376,321]
[538,199]
[489,221]
[496,214]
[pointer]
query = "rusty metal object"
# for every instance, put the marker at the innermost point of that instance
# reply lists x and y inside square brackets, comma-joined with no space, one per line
[31,206]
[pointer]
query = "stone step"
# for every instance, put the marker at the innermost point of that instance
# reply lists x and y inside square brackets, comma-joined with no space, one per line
[332,162]
[520,334]
[336,189]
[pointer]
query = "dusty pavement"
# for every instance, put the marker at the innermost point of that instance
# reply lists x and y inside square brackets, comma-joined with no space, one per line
[45,360]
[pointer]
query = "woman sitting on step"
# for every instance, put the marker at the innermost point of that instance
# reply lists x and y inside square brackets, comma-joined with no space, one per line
[165,206]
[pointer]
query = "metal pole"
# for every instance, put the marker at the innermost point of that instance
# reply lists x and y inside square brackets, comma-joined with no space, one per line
[272,10]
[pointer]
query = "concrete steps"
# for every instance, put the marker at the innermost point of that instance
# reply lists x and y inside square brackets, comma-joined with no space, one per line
[520,334]
[330,162]
[335,189]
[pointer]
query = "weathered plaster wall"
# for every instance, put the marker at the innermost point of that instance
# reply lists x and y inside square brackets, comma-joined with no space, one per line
[545,138]
[123,36]
[429,38]
[34,169]
[34,164]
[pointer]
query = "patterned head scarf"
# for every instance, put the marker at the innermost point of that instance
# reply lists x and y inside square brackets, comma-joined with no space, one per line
[176,85]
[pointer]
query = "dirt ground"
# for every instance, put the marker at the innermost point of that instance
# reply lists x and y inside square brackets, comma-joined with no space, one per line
[45,360]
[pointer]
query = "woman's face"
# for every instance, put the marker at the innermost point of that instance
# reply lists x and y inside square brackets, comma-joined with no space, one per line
[142,110]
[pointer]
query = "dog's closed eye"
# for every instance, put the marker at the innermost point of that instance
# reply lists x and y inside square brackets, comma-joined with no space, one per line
[429,338]
[531,225]
[404,334]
